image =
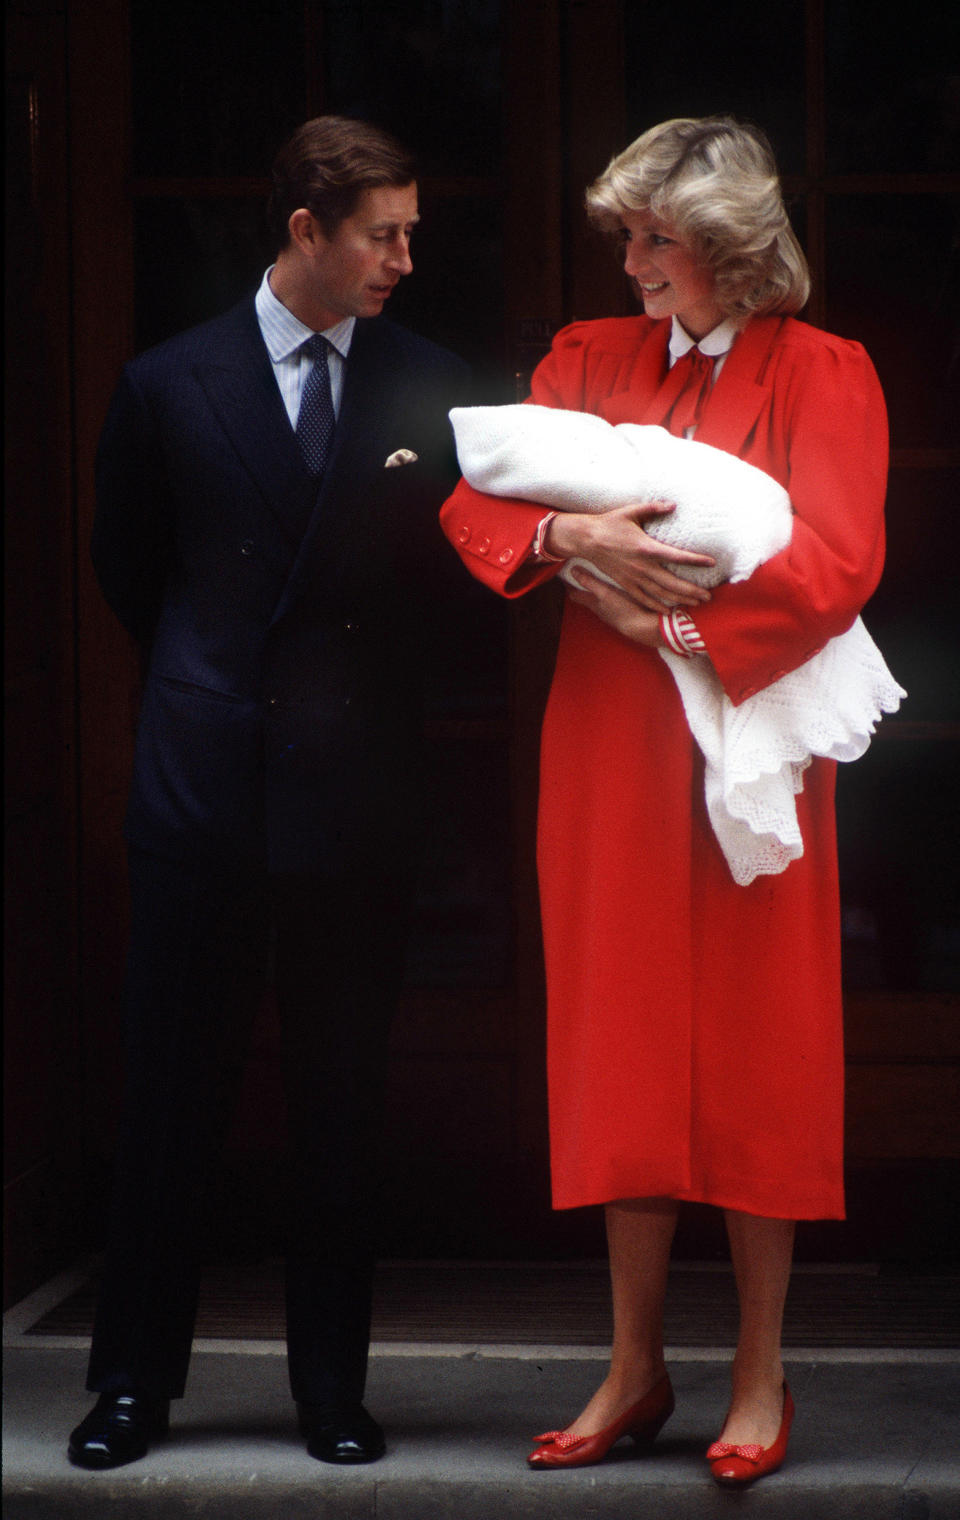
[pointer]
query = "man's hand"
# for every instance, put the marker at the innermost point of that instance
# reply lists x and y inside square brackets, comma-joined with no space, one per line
[616,609]
[616,543]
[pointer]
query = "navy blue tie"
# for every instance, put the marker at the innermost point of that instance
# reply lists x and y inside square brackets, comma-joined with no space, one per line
[316,420]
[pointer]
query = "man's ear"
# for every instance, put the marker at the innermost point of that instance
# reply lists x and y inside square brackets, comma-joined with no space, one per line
[305,231]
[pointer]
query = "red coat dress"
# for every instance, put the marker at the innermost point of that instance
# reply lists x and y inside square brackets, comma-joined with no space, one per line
[695,1026]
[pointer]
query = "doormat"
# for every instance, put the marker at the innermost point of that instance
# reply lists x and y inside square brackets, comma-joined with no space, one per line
[567,1303]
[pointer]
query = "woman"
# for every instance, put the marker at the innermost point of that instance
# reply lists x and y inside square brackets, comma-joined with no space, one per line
[695,1043]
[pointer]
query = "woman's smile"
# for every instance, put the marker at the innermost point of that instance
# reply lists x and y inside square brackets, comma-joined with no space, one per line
[670,279]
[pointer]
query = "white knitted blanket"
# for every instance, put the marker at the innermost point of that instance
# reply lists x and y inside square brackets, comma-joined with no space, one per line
[755,754]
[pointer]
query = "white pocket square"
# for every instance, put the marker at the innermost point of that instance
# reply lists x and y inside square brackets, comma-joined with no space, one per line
[400,456]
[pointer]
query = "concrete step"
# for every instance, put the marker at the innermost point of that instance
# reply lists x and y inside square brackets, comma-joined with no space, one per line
[877,1437]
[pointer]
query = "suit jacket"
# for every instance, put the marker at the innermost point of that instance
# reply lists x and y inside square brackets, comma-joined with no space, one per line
[797,402]
[286,626]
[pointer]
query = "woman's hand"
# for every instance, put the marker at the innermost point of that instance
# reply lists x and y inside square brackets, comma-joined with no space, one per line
[616,543]
[616,609]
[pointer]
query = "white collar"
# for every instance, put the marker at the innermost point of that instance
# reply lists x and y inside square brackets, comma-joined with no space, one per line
[284,333]
[718,341]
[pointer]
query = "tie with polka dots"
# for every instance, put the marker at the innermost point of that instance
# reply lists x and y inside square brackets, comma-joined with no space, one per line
[316,420]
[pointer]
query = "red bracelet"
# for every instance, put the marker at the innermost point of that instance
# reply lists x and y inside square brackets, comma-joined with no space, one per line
[537,549]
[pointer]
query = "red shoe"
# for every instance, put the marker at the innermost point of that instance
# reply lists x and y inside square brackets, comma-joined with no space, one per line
[733,1466]
[643,1421]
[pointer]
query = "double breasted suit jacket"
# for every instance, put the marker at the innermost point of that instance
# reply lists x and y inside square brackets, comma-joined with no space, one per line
[285,624]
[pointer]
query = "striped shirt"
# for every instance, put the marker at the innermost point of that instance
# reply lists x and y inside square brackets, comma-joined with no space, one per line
[284,334]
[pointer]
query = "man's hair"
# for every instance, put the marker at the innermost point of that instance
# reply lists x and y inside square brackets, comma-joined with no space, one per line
[326,166]
[713,180]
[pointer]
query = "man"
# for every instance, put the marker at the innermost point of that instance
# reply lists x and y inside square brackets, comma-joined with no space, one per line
[267,503]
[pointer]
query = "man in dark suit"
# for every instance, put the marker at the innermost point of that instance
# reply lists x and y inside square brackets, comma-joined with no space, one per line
[266,527]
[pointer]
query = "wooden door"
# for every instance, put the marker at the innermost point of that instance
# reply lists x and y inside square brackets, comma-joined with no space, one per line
[171,116]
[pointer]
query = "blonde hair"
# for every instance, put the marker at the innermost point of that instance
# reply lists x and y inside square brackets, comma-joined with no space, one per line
[714,181]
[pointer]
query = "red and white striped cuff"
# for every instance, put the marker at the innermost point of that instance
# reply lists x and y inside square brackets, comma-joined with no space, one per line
[680,634]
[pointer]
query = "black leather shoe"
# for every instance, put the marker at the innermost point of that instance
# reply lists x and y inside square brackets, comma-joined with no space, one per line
[341,1433]
[118,1429]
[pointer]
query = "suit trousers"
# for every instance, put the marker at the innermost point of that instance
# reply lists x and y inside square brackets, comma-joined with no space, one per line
[201,938]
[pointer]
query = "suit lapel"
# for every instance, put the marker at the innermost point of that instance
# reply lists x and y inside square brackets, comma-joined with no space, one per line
[366,392]
[738,398]
[345,506]
[240,385]
[644,378]
[734,404]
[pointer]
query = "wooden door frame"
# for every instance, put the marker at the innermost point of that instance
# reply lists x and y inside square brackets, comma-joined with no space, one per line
[107,663]
[41,1118]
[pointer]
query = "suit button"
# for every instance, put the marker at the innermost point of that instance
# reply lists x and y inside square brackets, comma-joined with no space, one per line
[506,556]
[247,546]
[483,547]
[352,627]
[463,537]
[273,701]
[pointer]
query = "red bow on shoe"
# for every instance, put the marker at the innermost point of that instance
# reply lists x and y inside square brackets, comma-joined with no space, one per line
[562,1438]
[724,1449]
[756,1461]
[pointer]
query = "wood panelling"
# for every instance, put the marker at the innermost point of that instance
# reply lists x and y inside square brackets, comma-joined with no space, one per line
[911,1028]
[108,675]
[41,1071]
[511,258]
[595,130]
[900,1112]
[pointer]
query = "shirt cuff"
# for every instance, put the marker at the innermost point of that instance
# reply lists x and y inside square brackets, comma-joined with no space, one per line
[536,548]
[680,634]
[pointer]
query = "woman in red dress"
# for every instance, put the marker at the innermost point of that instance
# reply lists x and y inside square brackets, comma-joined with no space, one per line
[695,1031]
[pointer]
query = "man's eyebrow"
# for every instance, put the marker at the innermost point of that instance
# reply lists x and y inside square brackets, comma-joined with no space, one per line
[407,221]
